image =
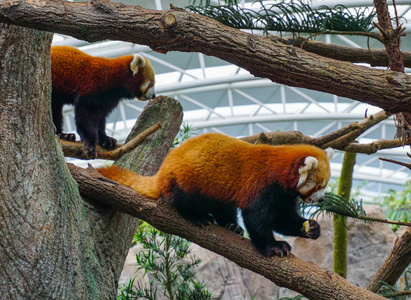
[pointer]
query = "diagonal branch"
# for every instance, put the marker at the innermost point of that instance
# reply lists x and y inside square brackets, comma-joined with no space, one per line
[178,30]
[395,264]
[290,272]
[374,57]
[76,149]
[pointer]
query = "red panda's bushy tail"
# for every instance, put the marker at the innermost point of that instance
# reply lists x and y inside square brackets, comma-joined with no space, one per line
[146,185]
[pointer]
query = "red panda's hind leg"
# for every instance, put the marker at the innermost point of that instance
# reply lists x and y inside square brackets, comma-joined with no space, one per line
[190,207]
[203,210]
[226,216]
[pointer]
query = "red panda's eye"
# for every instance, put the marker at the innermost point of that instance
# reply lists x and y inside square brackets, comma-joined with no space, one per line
[319,187]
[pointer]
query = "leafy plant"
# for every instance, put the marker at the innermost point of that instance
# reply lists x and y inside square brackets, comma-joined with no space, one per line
[396,205]
[392,292]
[288,16]
[168,262]
[183,134]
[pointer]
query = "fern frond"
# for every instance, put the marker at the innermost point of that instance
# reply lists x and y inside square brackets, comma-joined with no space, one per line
[292,16]
[338,205]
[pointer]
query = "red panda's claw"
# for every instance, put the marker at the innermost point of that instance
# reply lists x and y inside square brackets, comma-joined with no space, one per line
[67,136]
[278,248]
[315,230]
[235,228]
[108,142]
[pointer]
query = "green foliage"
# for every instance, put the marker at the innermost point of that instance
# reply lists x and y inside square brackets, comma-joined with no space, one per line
[168,262]
[299,297]
[291,16]
[337,205]
[183,134]
[389,291]
[396,205]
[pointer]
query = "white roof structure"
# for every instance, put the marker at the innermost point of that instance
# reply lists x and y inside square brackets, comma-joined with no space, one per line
[220,97]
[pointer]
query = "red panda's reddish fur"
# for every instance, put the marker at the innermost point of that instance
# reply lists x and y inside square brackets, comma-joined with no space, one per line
[223,168]
[208,177]
[75,72]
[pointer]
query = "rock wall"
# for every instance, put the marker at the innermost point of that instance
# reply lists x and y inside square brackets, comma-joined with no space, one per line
[368,246]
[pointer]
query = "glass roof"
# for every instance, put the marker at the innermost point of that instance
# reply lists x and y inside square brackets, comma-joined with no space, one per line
[220,97]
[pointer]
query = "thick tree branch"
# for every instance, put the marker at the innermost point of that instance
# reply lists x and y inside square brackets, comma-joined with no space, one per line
[341,139]
[290,272]
[178,30]
[374,57]
[395,264]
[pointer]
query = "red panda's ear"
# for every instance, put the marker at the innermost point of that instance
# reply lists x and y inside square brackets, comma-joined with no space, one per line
[310,162]
[329,152]
[138,61]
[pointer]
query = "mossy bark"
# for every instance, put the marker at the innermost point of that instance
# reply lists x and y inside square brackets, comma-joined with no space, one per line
[340,230]
[54,244]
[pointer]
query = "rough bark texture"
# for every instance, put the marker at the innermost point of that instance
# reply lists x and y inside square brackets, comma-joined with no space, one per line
[178,30]
[43,254]
[374,57]
[53,244]
[395,264]
[306,278]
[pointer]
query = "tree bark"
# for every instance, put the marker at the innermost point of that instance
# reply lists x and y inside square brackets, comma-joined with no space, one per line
[53,244]
[178,30]
[374,57]
[303,277]
[395,264]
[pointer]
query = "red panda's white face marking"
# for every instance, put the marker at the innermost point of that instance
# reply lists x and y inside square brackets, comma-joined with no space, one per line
[314,176]
[142,68]
[147,89]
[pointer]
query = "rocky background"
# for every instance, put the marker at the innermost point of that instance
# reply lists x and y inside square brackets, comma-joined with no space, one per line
[368,246]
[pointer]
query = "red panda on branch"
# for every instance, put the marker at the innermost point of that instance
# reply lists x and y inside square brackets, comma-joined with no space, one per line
[95,86]
[209,176]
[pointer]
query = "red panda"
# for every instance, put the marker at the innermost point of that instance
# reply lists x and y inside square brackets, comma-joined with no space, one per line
[95,85]
[209,176]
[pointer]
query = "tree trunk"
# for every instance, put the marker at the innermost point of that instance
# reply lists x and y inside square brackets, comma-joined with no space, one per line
[179,30]
[55,245]
[340,229]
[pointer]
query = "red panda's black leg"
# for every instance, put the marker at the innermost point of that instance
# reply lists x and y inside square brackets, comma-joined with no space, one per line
[104,140]
[194,208]
[226,216]
[86,124]
[57,103]
[261,234]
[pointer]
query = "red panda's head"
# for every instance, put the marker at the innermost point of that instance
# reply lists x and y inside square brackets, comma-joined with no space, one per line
[143,81]
[314,174]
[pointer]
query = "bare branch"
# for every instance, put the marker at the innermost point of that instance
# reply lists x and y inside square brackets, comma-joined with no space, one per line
[178,30]
[76,149]
[374,57]
[341,139]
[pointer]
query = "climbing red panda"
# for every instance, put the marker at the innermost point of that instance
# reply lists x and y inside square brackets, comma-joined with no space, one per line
[209,176]
[95,85]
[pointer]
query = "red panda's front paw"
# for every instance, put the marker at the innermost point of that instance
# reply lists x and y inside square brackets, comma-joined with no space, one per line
[314,230]
[107,142]
[67,136]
